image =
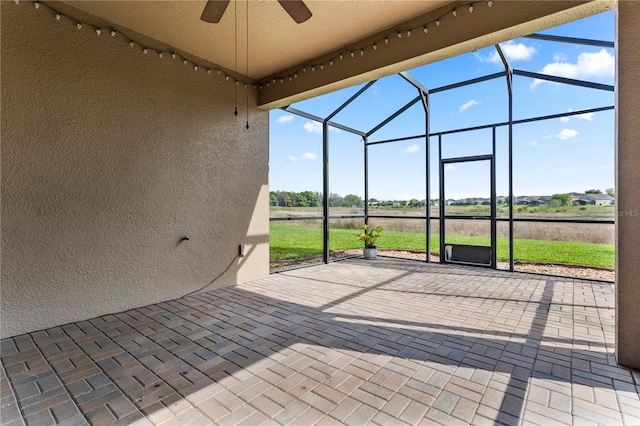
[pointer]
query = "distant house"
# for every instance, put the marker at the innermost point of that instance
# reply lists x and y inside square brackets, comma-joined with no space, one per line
[522,201]
[540,201]
[575,197]
[596,200]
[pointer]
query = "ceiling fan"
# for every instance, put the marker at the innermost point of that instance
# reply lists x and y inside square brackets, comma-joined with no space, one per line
[214,10]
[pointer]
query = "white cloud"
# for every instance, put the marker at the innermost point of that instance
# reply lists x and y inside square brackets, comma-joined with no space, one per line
[547,137]
[533,143]
[468,105]
[310,156]
[586,116]
[449,167]
[512,50]
[312,127]
[411,149]
[590,65]
[292,158]
[316,127]
[284,119]
[567,134]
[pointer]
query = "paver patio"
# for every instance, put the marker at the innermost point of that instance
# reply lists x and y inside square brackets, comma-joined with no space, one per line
[354,342]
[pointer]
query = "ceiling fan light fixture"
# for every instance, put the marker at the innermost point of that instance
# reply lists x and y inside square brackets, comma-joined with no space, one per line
[214,10]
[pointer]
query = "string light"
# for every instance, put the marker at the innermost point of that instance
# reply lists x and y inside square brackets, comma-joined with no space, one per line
[490,3]
[174,55]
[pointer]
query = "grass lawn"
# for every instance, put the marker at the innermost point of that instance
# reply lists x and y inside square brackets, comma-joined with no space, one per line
[291,242]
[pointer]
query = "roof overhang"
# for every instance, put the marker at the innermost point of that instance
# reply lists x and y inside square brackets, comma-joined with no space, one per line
[279,49]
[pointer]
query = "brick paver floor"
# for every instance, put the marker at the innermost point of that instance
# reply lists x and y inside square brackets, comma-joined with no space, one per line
[388,342]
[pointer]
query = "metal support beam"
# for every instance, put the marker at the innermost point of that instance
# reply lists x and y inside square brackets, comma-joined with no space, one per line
[564,80]
[442,198]
[467,82]
[393,116]
[325,192]
[572,40]
[494,212]
[509,88]
[427,159]
[366,179]
[351,99]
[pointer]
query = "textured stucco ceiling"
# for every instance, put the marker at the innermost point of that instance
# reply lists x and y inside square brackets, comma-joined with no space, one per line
[279,48]
[276,42]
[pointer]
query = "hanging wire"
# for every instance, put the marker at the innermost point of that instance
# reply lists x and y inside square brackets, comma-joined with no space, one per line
[235,67]
[247,73]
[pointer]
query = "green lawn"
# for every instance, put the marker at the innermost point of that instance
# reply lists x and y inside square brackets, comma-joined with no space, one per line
[291,242]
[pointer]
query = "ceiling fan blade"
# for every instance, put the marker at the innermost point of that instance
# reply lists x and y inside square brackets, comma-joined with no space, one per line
[296,9]
[214,10]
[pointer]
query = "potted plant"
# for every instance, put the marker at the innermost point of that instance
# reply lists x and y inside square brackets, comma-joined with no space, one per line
[369,236]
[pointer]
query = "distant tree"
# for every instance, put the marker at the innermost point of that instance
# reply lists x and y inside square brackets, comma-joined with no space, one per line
[335,200]
[558,200]
[283,199]
[593,191]
[352,200]
[413,202]
[310,198]
[373,200]
[273,199]
[610,191]
[301,200]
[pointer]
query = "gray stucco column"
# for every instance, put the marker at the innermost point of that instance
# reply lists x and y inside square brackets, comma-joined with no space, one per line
[628,184]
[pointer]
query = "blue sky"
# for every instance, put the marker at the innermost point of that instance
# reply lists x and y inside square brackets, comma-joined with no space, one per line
[552,156]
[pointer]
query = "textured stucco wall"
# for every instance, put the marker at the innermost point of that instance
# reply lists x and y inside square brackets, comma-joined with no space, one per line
[628,184]
[109,157]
